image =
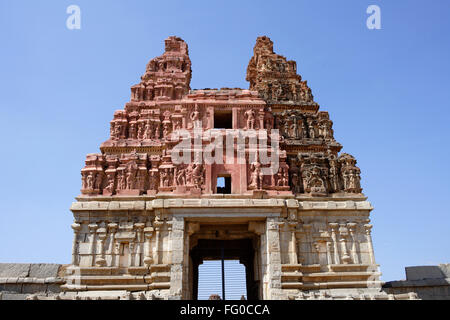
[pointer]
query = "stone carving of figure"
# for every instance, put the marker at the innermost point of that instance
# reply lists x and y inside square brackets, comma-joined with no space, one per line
[165,177]
[282,177]
[350,174]
[327,130]
[282,126]
[352,180]
[273,90]
[98,180]
[267,66]
[120,180]
[197,175]
[90,181]
[314,181]
[334,176]
[112,131]
[255,176]
[195,117]
[157,133]
[268,121]
[83,181]
[117,131]
[181,177]
[140,131]
[295,177]
[132,131]
[249,115]
[166,129]
[312,131]
[294,92]
[294,128]
[153,180]
[176,124]
[308,95]
[147,130]
[140,179]
[130,178]
[279,92]
[189,175]
[303,131]
[110,182]
[295,181]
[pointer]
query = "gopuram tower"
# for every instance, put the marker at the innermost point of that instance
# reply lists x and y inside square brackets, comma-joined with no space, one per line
[254,173]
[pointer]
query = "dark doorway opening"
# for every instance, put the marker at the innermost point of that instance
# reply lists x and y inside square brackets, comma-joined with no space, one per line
[223,119]
[223,185]
[242,250]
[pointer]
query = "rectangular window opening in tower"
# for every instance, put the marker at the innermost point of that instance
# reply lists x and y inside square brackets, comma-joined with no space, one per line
[223,119]
[223,185]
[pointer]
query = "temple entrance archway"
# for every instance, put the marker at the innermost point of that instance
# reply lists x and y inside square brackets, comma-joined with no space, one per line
[214,242]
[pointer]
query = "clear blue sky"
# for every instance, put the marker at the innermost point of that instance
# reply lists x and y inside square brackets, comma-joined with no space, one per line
[386,90]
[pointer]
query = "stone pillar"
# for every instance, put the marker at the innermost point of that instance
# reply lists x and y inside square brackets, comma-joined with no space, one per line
[273,259]
[260,260]
[92,246]
[351,229]
[112,245]
[176,269]
[148,234]
[139,243]
[157,225]
[131,250]
[309,253]
[188,265]
[343,239]
[334,227]
[235,118]
[316,259]
[329,259]
[76,229]
[101,261]
[368,228]
[293,257]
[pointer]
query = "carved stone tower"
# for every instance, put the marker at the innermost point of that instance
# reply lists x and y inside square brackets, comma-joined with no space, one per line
[145,221]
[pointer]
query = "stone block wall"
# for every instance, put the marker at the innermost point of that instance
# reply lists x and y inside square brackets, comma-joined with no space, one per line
[428,282]
[19,280]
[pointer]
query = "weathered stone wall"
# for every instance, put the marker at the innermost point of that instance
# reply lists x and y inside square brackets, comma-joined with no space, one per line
[19,280]
[321,245]
[428,282]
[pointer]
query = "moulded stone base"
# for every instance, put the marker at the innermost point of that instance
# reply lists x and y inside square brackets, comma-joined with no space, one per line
[129,192]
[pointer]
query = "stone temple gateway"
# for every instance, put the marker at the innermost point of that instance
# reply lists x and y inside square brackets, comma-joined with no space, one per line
[144,223]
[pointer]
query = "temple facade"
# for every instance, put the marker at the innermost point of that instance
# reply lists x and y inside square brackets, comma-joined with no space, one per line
[248,174]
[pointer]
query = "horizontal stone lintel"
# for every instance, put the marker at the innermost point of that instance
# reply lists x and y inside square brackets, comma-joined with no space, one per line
[139,205]
[28,280]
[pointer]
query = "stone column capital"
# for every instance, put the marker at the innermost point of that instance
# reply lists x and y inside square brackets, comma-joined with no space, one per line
[93,227]
[333,226]
[148,232]
[76,227]
[368,228]
[139,225]
[102,235]
[351,226]
[112,227]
